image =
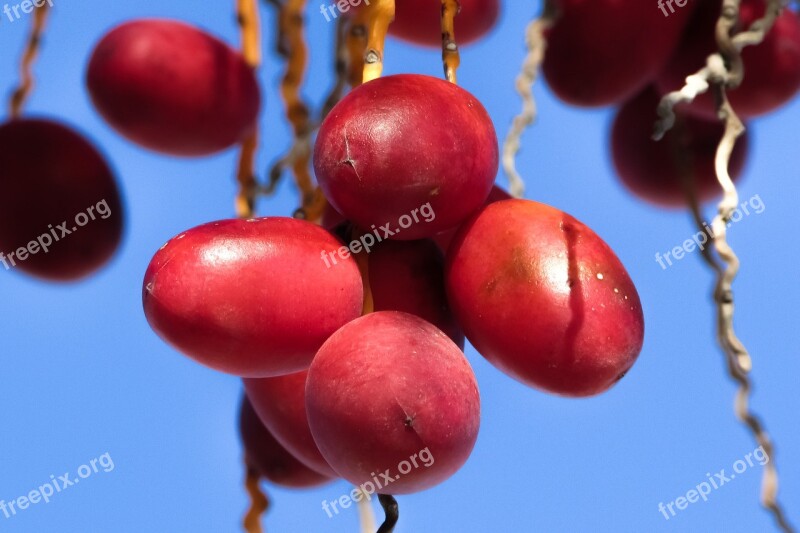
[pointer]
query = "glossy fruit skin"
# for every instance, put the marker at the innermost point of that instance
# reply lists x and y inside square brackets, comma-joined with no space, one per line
[419,21]
[660,172]
[49,175]
[386,387]
[444,238]
[407,145]
[771,69]
[408,276]
[281,405]
[269,458]
[544,299]
[251,298]
[173,88]
[601,52]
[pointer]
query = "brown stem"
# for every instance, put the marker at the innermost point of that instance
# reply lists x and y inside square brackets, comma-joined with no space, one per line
[380,15]
[248,19]
[450,55]
[259,503]
[21,93]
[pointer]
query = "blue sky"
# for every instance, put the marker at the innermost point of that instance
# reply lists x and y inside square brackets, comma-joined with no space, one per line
[82,375]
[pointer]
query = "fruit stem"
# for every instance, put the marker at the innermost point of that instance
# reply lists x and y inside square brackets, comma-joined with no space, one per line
[357,46]
[536,44]
[450,55]
[724,70]
[21,93]
[259,502]
[380,15]
[292,47]
[340,66]
[248,19]
[392,512]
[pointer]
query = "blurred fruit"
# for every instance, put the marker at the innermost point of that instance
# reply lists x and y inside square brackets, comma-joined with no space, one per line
[173,88]
[665,172]
[771,69]
[61,215]
[601,52]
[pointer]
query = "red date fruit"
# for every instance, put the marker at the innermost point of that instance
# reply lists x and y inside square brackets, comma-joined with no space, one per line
[413,154]
[251,298]
[665,172]
[173,88]
[544,299]
[61,214]
[391,392]
[269,458]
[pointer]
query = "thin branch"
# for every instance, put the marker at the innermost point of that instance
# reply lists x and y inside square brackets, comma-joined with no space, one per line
[248,19]
[259,503]
[725,70]
[366,517]
[536,45]
[451,58]
[341,59]
[380,15]
[23,91]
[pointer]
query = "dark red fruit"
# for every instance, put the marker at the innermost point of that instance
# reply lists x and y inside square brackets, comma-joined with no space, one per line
[414,154]
[408,276]
[269,458]
[771,69]
[544,299]
[281,405]
[601,52]
[60,210]
[252,298]
[391,393]
[446,237]
[664,172]
[173,88]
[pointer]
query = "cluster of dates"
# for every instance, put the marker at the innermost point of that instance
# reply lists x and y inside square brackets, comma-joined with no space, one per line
[629,54]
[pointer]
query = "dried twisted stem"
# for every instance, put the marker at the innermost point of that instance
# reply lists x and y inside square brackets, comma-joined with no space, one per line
[536,45]
[247,17]
[21,93]
[450,56]
[380,14]
[258,502]
[291,46]
[341,59]
[725,70]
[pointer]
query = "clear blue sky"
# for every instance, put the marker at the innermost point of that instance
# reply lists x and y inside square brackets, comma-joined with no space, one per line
[81,373]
